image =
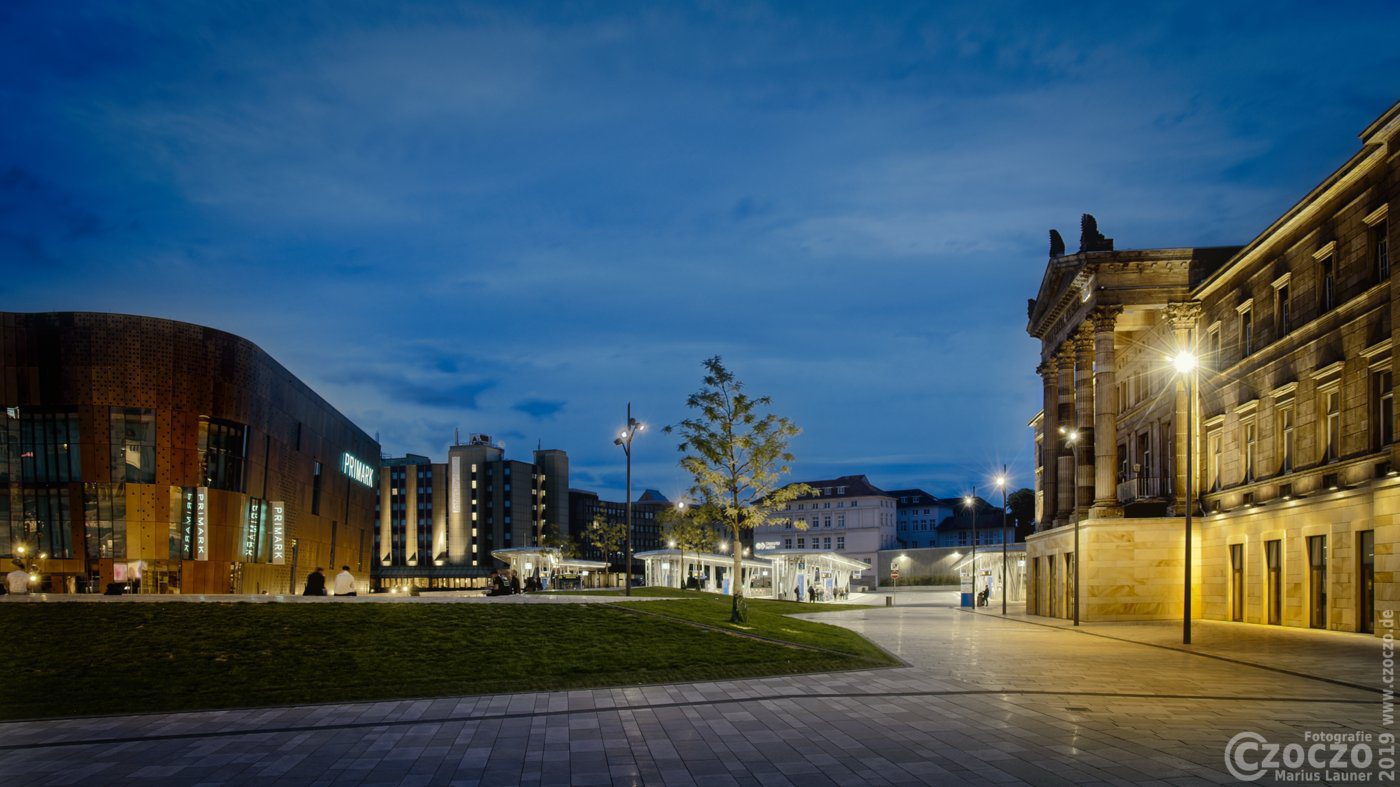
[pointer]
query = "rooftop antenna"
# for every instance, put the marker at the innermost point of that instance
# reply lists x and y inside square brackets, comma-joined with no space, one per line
[456,435]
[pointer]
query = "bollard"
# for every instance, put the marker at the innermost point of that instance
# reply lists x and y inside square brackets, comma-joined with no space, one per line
[889,601]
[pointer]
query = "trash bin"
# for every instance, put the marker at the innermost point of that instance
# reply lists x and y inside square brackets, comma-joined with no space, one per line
[889,601]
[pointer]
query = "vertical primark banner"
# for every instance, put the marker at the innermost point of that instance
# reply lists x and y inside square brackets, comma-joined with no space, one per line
[252,531]
[187,505]
[279,531]
[201,523]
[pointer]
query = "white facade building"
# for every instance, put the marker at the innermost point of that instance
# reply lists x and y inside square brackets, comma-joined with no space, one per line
[847,515]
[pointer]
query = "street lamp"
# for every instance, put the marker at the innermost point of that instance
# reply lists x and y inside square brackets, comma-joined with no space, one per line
[624,439]
[971,501]
[1072,440]
[1001,484]
[1185,363]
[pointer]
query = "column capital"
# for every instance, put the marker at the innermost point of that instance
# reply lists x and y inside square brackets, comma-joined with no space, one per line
[1083,338]
[1105,318]
[1183,314]
[1049,367]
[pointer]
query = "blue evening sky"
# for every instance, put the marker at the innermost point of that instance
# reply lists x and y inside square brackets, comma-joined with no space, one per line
[514,218]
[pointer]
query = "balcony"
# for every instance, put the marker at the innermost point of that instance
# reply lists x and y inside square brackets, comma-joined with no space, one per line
[1147,487]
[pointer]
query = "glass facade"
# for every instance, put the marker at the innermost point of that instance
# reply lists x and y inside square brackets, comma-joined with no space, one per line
[223,446]
[133,434]
[104,512]
[39,457]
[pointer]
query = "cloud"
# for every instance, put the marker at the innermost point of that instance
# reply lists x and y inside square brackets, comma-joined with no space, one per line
[539,409]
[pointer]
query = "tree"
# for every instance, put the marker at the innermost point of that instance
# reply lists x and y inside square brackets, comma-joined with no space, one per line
[736,453]
[552,539]
[1021,506]
[682,529]
[608,537]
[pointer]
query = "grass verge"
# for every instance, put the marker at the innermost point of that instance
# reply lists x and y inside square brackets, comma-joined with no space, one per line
[82,659]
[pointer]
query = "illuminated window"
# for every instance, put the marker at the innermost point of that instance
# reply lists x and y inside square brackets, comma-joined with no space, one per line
[133,445]
[1286,439]
[1331,425]
[1383,409]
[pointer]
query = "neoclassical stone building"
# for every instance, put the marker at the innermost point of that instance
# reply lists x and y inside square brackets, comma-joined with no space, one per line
[1294,460]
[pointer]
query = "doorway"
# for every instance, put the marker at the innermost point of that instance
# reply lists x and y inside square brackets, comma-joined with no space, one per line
[1366,576]
[1237,582]
[1273,563]
[1317,581]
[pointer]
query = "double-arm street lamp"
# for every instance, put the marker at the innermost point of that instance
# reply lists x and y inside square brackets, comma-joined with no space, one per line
[1185,363]
[624,439]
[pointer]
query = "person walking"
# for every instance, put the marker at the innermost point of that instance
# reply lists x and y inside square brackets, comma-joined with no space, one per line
[345,582]
[315,583]
[812,593]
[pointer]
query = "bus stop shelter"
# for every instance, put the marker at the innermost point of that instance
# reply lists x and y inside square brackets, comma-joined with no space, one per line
[672,568]
[820,576]
[550,566]
[981,576]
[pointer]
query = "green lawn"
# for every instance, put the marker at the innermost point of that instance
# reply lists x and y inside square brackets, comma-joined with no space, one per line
[79,659]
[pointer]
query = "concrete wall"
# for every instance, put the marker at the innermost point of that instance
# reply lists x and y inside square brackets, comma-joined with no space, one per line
[921,565]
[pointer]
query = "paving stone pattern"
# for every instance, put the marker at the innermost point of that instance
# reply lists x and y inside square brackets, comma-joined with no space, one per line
[983,700]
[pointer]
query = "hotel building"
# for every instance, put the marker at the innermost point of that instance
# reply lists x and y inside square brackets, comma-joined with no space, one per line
[137,448]
[1291,418]
[440,522]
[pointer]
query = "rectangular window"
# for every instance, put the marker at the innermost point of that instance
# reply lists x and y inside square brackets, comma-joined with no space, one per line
[1317,581]
[1283,307]
[787,543]
[1380,247]
[1329,284]
[840,542]
[1246,332]
[1251,437]
[1214,471]
[1273,563]
[826,542]
[133,436]
[1286,439]
[223,448]
[1213,344]
[1332,425]
[316,488]
[1383,409]
[801,543]
[48,446]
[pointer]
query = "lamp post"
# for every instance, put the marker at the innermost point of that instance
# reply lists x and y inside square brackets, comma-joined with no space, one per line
[971,501]
[1072,440]
[1001,484]
[1185,363]
[624,439]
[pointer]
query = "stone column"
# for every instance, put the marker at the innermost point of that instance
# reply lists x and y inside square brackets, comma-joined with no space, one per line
[1084,417]
[1105,415]
[1064,467]
[1049,440]
[1182,317]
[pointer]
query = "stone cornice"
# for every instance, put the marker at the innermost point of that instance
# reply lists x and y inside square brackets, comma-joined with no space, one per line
[1184,314]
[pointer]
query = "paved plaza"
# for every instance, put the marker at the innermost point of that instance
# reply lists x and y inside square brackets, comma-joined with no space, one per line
[983,699]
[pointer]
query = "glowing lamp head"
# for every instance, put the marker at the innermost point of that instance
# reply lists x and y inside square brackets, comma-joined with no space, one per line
[1184,362]
[1001,481]
[1072,437]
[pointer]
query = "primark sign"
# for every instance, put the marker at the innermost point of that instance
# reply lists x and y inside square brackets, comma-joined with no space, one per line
[357,470]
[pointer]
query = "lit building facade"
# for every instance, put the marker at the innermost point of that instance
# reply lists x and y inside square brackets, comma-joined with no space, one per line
[586,507]
[136,448]
[846,515]
[917,516]
[1293,451]
[440,522]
